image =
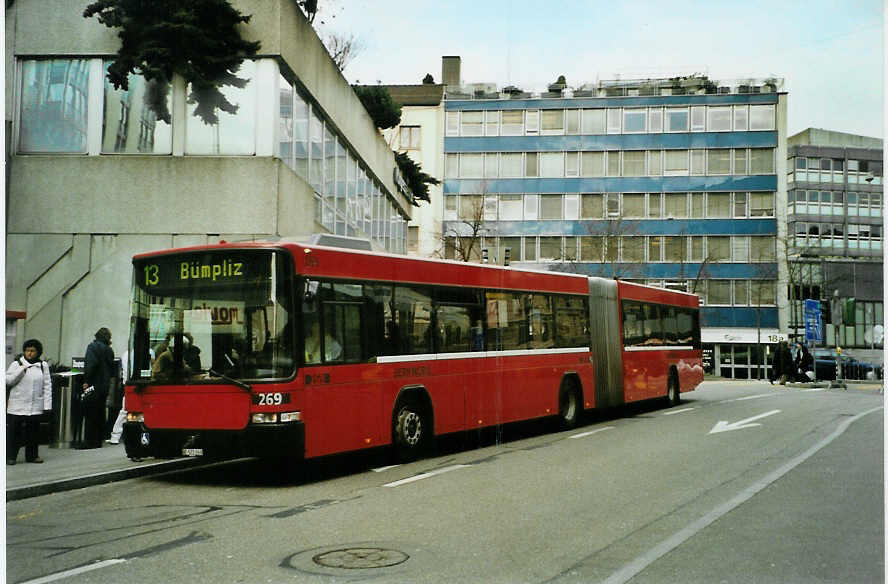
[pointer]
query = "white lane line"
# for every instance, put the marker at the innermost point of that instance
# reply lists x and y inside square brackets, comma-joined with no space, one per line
[385,468]
[584,434]
[752,397]
[637,565]
[74,571]
[678,411]
[425,475]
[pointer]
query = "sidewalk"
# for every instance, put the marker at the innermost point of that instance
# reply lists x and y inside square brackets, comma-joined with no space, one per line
[67,468]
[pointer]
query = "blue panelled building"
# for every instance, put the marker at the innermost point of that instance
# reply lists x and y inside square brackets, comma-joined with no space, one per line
[676,182]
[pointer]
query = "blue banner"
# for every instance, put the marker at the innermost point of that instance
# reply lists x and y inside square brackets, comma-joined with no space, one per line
[813,323]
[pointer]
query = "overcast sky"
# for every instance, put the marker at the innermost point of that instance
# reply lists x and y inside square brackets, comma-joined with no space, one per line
[829,53]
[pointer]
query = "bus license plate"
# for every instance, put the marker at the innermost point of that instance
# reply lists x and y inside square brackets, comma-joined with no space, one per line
[192,452]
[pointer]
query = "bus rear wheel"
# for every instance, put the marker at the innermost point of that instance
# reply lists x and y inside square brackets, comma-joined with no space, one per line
[412,431]
[673,396]
[569,405]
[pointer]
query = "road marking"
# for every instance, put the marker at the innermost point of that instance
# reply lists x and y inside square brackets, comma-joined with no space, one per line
[74,571]
[753,397]
[678,411]
[584,434]
[385,468]
[723,426]
[425,475]
[633,568]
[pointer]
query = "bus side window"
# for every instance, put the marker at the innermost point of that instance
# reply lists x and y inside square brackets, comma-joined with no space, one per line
[342,332]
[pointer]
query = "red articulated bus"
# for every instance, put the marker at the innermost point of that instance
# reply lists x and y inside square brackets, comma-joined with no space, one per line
[283,349]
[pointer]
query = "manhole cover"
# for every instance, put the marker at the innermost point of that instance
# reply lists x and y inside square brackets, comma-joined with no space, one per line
[360,558]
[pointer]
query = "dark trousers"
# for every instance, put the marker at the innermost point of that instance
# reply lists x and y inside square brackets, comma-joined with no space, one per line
[93,423]
[22,431]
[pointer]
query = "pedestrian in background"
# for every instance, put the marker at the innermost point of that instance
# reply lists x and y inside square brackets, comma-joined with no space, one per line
[117,428]
[782,365]
[98,369]
[28,396]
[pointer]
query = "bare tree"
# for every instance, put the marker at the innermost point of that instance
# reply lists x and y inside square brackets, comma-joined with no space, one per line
[462,239]
[343,48]
[611,234]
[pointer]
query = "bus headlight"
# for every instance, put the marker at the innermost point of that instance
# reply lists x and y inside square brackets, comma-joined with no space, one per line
[270,418]
[135,417]
[273,418]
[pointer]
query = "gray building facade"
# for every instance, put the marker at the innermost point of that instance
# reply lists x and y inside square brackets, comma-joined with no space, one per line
[95,174]
[835,235]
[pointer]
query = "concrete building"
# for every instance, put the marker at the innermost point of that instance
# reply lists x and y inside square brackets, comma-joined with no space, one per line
[420,134]
[95,174]
[835,234]
[674,182]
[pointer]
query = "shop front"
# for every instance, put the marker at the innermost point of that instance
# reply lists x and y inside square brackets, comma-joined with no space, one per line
[740,353]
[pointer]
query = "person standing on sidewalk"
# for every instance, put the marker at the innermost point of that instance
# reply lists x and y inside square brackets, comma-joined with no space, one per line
[98,369]
[28,396]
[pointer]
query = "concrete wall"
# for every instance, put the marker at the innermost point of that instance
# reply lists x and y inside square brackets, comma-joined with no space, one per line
[820,137]
[74,222]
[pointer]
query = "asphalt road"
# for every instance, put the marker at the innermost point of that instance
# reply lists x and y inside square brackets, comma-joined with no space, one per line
[742,482]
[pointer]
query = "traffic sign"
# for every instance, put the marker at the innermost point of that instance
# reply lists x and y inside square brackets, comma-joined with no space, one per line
[813,323]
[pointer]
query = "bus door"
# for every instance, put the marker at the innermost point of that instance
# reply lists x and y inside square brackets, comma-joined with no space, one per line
[342,395]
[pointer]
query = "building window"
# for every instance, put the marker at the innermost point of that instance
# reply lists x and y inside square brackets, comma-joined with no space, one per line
[655,120]
[633,162]
[613,121]
[490,165]
[592,206]
[471,165]
[571,163]
[452,123]
[698,118]
[550,207]
[761,117]
[675,163]
[511,165]
[718,248]
[513,123]
[491,123]
[410,137]
[718,292]
[719,161]
[142,123]
[676,119]
[761,204]
[550,248]
[718,205]
[677,205]
[451,165]
[233,134]
[413,239]
[592,164]
[741,118]
[573,121]
[633,205]
[472,124]
[54,106]
[531,166]
[613,163]
[761,161]
[551,164]
[510,207]
[698,162]
[634,121]
[740,161]
[532,121]
[552,122]
[763,249]
[655,162]
[591,249]
[655,205]
[593,121]
[718,119]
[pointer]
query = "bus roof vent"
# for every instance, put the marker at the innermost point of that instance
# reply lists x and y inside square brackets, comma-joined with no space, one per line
[330,240]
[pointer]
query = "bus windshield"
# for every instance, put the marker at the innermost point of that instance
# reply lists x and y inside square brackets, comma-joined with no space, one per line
[203,316]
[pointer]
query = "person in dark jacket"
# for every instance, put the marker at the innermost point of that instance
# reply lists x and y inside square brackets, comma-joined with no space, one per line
[804,362]
[98,370]
[782,366]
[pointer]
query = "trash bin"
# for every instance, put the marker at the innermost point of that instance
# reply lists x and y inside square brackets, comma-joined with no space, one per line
[65,430]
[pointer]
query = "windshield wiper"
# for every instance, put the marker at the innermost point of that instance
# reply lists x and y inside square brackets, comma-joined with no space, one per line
[236,382]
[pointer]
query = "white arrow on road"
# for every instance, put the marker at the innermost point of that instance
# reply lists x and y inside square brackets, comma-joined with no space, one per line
[723,426]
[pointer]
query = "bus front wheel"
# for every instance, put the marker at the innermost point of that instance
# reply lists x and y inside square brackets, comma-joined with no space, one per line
[412,431]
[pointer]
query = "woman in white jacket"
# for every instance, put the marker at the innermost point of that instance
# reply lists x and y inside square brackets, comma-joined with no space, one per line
[28,395]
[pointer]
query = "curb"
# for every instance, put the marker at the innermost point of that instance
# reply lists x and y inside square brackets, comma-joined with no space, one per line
[157,468]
